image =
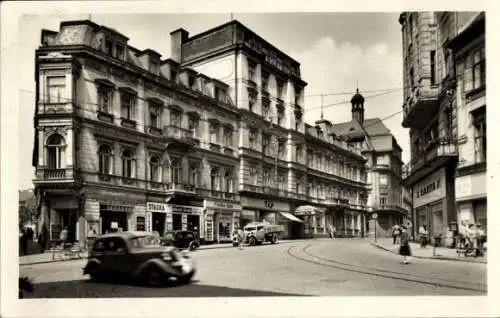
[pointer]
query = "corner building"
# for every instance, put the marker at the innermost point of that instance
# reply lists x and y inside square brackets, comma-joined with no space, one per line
[444,107]
[208,139]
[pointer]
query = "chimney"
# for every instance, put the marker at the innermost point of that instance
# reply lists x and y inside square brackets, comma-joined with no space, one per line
[177,37]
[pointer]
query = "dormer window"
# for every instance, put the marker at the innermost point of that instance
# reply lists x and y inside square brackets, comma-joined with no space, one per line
[219,94]
[114,49]
[191,80]
[173,75]
[108,47]
[119,51]
[154,67]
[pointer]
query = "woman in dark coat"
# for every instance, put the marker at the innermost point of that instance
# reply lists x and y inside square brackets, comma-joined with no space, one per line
[404,248]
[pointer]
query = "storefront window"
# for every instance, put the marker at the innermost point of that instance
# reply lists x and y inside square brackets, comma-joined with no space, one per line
[224,229]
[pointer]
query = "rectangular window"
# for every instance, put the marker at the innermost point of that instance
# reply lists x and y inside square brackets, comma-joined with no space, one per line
[214,133]
[175,118]
[105,100]
[193,124]
[383,201]
[480,138]
[265,110]
[252,99]
[154,115]
[281,116]
[279,89]
[252,138]
[127,106]
[383,181]
[298,152]
[265,81]
[56,89]
[228,137]
[433,67]
[474,70]
[281,150]
[220,94]
[265,144]
[173,75]
[251,71]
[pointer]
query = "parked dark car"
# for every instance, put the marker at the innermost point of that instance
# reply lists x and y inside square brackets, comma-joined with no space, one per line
[181,240]
[137,256]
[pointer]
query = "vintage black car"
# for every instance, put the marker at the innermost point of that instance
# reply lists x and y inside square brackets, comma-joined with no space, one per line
[181,240]
[138,256]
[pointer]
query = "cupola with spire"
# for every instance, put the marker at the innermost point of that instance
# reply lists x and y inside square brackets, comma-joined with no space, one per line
[357,107]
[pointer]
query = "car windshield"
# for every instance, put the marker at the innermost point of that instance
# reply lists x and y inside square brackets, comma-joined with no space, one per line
[145,241]
[250,228]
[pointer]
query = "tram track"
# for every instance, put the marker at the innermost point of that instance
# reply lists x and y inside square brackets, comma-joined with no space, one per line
[370,271]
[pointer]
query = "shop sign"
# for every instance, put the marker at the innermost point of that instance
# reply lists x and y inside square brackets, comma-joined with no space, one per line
[471,185]
[223,205]
[185,209]
[265,204]
[430,189]
[157,207]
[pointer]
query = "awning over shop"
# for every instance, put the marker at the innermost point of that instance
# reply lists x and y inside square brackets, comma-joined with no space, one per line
[291,217]
[308,210]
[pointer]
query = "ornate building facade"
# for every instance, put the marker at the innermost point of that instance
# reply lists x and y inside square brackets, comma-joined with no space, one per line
[444,91]
[383,167]
[127,140]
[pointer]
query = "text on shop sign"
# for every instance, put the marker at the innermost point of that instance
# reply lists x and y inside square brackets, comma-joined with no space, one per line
[428,188]
[157,207]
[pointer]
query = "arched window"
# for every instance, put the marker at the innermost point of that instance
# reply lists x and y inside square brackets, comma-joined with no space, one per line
[155,169]
[128,164]
[105,160]
[214,179]
[175,172]
[193,174]
[55,152]
[229,181]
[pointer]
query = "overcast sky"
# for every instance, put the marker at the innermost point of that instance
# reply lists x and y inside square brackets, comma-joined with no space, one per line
[336,51]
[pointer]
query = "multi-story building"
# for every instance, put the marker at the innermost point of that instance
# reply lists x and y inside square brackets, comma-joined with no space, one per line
[463,38]
[438,126]
[282,160]
[208,139]
[383,166]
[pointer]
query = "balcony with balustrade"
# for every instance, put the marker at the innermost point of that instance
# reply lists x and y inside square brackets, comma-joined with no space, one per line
[420,107]
[437,153]
[62,176]
[389,208]
[172,188]
[179,137]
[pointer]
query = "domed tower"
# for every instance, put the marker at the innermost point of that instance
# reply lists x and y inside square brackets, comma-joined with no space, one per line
[358,108]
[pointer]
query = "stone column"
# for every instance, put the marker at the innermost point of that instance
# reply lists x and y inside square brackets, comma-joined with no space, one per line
[353,225]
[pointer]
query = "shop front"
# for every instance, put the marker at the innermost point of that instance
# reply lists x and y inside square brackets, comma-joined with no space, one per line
[431,205]
[115,217]
[274,212]
[314,220]
[471,199]
[221,220]
[63,213]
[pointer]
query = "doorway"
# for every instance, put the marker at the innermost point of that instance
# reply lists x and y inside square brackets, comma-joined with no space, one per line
[158,220]
[194,224]
[68,220]
[176,222]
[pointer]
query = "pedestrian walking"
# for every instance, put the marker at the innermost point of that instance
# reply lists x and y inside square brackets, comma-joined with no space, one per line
[404,248]
[423,233]
[481,239]
[63,237]
[240,239]
[396,232]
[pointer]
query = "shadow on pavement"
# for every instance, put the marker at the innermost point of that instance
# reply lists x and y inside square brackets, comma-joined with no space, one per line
[88,289]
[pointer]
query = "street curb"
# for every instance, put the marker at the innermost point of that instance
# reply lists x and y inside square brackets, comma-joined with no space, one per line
[203,247]
[444,258]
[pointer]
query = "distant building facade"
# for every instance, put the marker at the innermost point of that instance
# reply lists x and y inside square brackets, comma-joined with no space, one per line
[125,140]
[445,109]
[384,166]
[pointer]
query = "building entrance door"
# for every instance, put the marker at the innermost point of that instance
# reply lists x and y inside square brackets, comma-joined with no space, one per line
[158,220]
[68,220]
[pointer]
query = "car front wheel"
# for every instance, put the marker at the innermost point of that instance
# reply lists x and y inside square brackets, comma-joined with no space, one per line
[186,278]
[154,276]
[252,241]
[94,273]
[193,246]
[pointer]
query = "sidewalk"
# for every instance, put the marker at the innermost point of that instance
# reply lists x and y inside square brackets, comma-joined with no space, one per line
[48,258]
[428,252]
